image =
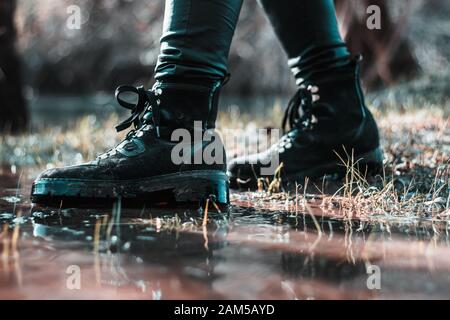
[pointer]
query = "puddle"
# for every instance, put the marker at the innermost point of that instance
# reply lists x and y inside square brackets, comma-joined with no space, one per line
[246,253]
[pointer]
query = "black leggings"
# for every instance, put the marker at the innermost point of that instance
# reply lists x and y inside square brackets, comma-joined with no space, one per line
[197,35]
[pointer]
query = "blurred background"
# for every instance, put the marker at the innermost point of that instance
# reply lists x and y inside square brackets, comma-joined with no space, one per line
[57,108]
[50,73]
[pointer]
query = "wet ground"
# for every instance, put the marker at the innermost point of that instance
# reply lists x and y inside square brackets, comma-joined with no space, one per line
[250,252]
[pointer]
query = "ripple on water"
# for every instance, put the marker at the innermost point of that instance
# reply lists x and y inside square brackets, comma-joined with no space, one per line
[11,199]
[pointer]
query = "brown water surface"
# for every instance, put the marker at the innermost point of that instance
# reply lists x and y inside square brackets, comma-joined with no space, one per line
[247,253]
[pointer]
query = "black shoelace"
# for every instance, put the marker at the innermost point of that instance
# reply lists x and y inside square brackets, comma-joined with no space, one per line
[299,110]
[144,112]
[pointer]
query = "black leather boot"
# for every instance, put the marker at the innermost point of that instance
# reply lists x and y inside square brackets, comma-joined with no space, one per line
[329,124]
[144,165]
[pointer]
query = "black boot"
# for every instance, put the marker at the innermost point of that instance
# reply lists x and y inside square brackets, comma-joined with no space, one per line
[143,166]
[329,124]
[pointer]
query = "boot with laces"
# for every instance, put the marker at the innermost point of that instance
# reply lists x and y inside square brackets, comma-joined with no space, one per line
[144,165]
[326,127]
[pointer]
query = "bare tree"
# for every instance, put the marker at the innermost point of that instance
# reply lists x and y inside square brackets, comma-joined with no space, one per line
[13,109]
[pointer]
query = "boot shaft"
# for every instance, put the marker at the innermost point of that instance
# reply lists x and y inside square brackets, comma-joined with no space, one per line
[341,92]
[338,113]
[181,104]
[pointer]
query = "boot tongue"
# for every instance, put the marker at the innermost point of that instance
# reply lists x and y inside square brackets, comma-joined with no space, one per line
[299,110]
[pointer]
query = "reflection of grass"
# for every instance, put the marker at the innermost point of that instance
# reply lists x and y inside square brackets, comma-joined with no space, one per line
[415,180]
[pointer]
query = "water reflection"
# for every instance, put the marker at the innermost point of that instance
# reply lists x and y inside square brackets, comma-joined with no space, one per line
[157,253]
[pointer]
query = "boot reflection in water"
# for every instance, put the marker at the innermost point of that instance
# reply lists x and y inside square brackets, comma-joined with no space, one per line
[326,116]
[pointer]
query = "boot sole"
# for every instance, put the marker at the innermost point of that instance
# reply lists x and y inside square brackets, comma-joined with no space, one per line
[370,163]
[181,187]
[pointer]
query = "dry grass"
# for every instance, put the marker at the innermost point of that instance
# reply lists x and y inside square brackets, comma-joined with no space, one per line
[415,182]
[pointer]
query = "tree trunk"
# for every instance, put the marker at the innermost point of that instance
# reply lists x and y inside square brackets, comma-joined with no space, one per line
[13,109]
[387,53]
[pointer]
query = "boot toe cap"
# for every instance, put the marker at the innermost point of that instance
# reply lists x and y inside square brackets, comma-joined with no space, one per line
[71,172]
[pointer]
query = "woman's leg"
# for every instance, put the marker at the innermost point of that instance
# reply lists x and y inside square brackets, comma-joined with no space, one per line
[327,120]
[308,31]
[190,72]
[196,39]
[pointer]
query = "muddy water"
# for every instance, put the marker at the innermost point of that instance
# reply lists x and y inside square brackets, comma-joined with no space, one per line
[247,253]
